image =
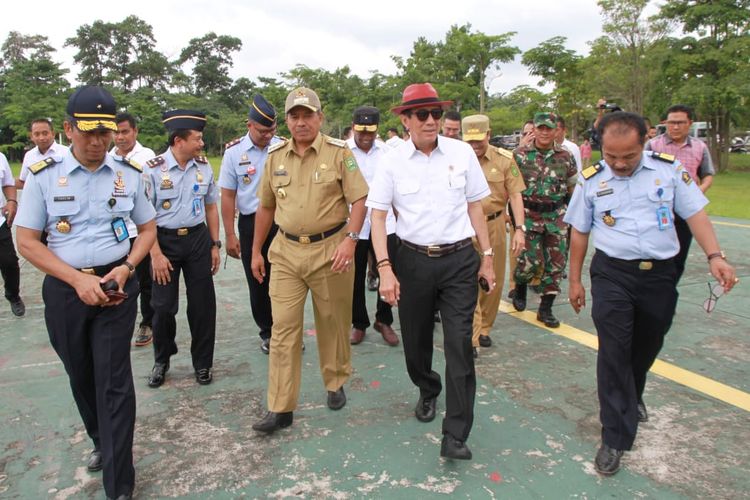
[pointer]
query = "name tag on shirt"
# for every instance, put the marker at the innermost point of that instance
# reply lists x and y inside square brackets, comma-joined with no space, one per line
[120,229]
[64,198]
[605,192]
[664,217]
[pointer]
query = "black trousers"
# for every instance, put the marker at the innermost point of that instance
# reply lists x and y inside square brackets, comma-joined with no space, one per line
[685,237]
[190,254]
[93,344]
[383,312]
[450,283]
[632,310]
[260,301]
[143,271]
[9,264]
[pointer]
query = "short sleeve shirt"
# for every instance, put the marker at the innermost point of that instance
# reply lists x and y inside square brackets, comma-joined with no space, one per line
[33,155]
[503,178]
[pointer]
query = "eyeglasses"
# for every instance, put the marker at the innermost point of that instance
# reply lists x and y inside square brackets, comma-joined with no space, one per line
[422,114]
[715,292]
[680,123]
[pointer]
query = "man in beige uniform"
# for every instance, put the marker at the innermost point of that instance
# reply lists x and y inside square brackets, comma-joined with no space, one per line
[307,187]
[506,184]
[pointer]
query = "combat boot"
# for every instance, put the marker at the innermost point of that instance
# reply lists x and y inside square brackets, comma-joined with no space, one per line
[519,297]
[544,314]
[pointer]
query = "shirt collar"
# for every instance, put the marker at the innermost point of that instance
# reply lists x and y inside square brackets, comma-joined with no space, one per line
[71,163]
[669,140]
[316,144]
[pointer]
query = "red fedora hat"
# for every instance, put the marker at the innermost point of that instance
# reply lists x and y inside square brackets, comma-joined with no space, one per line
[419,95]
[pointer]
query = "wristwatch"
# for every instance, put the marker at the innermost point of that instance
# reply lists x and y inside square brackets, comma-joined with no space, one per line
[131,268]
[354,236]
[522,227]
[490,252]
[216,243]
[716,255]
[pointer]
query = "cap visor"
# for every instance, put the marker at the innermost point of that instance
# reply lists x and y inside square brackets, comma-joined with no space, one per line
[474,137]
[311,108]
[89,125]
[364,128]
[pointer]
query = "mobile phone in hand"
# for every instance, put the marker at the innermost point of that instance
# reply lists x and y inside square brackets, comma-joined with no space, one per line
[484,285]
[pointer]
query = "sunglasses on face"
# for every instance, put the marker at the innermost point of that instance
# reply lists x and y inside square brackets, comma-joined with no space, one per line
[422,114]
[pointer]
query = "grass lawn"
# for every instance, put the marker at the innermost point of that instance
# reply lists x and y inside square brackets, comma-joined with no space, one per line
[728,194]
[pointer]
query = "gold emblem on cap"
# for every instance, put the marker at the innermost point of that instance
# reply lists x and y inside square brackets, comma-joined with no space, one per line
[166,204]
[281,193]
[62,181]
[63,226]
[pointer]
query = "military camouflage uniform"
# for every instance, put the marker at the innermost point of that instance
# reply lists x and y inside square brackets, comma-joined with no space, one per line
[550,177]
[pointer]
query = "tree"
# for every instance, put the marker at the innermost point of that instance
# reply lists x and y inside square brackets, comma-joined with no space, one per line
[709,66]
[211,56]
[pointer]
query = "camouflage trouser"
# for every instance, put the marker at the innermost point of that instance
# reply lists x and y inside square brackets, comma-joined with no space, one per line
[545,256]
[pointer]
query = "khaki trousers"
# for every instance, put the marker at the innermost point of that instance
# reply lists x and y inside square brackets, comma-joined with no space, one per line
[295,269]
[488,303]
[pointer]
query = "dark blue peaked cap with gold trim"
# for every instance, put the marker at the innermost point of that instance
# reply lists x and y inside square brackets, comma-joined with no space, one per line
[184,119]
[261,111]
[92,107]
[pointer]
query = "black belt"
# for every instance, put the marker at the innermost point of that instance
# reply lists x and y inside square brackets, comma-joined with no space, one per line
[247,216]
[493,216]
[438,250]
[641,265]
[183,231]
[102,270]
[543,207]
[312,238]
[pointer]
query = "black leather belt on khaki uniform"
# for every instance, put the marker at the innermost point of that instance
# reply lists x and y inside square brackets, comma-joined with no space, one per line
[543,207]
[102,270]
[438,250]
[312,238]
[183,231]
[493,216]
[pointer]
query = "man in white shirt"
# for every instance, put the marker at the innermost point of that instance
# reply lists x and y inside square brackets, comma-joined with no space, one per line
[571,146]
[435,185]
[42,135]
[8,257]
[368,151]
[128,147]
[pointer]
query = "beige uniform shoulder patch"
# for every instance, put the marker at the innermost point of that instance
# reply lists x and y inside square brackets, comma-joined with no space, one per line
[336,142]
[505,153]
[276,146]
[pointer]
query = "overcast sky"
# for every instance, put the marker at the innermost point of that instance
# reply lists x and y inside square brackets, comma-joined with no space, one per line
[278,34]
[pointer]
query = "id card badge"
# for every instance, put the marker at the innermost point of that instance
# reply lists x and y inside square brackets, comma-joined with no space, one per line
[120,229]
[197,208]
[664,217]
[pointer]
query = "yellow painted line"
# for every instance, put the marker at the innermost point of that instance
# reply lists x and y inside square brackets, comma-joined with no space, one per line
[733,224]
[704,385]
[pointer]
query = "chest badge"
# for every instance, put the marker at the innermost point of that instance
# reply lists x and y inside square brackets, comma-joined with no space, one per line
[166,204]
[281,193]
[250,170]
[62,181]
[166,182]
[63,226]
[199,177]
[119,185]
[245,179]
[608,219]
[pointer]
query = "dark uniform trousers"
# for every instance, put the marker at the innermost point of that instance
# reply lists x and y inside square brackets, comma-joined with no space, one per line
[93,344]
[260,301]
[448,284]
[383,312]
[9,264]
[685,237]
[192,254]
[143,271]
[632,309]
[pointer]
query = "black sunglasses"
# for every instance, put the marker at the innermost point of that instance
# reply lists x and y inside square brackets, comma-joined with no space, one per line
[422,114]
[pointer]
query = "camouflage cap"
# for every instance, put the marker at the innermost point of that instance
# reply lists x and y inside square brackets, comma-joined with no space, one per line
[475,127]
[302,96]
[546,119]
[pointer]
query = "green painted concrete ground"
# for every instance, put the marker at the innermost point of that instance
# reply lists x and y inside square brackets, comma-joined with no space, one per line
[535,433]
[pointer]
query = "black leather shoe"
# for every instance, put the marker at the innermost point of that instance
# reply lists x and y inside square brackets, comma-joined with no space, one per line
[475,352]
[95,461]
[642,413]
[453,448]
[437,319]
[607,460]
[544,314]
[204,376]
[485,341]
[265,345]
[426,409]
[336,400]
[158,374]
[519,297]
[124,496]
[17,307]
[274,421]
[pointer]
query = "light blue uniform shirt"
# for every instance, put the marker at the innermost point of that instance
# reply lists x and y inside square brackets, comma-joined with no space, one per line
[241,171]
[180,196]
[633,203]
[88,202]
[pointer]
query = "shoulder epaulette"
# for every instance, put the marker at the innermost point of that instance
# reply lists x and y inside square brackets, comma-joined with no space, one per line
[131,163]
[336,142]
[201,159]
[233,142]
[41,165]
[663,157]
[155,161]
[505,153]
[592,170]
[276,146]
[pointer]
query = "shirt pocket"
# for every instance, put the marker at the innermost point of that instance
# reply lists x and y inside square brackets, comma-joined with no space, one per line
[324,176]
[407,187]
[67,208]
[457,180]
[121,208]
[496,176]
[605,204]
[278,181]
[663,194]
[166,194]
